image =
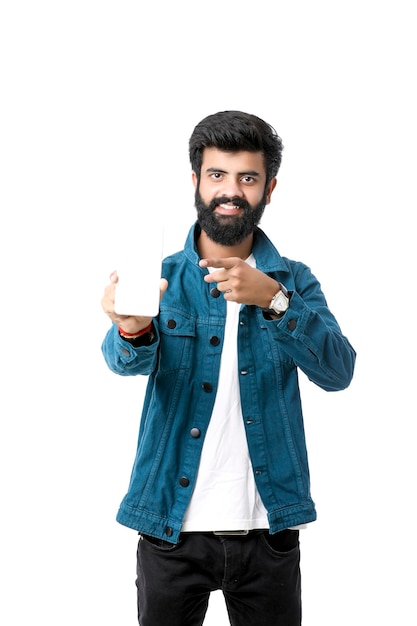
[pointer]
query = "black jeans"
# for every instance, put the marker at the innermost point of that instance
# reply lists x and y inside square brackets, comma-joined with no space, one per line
[258,573]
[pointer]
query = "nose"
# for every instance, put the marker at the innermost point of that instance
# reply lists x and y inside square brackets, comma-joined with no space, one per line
[232,188]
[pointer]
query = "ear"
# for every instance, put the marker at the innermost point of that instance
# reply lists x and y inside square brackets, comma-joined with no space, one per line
[194,179]
[270,188]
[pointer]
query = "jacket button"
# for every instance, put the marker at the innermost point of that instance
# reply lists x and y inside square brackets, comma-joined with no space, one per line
[207,387]
[171,323]
[125,351]
[184,482]
[168,531]
[292,324]
[214,292]
[195,432]
[214,340]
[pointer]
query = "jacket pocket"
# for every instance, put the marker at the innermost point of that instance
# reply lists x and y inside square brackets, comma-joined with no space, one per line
[178,335]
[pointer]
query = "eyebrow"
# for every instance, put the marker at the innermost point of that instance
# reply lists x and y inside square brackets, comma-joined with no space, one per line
[218,169]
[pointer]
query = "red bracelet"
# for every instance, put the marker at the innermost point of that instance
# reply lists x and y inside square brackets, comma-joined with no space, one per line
[123,333]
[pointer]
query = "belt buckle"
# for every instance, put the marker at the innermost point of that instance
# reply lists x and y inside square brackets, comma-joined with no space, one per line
[230,532]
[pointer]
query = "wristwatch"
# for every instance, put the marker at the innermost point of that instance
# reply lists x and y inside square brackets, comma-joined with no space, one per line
[280,302]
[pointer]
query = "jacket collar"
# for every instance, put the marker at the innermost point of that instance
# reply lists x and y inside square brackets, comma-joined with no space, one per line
[267,256]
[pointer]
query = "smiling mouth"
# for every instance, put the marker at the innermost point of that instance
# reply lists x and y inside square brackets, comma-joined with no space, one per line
[228,209]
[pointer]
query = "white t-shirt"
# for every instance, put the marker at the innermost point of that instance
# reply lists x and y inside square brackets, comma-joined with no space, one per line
[225,496]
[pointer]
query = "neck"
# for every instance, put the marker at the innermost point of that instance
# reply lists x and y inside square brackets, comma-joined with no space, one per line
[209,249]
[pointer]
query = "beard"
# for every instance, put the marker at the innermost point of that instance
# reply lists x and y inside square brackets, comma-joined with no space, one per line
[228,230]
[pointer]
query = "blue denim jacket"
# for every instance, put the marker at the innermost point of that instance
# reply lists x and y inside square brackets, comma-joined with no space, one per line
[183,368]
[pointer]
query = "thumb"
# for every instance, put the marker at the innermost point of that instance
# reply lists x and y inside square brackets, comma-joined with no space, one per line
[163,286]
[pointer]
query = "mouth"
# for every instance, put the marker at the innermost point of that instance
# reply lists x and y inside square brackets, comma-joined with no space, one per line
[228,209]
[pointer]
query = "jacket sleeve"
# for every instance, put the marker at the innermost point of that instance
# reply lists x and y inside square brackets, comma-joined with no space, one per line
[124,359]
[311,336]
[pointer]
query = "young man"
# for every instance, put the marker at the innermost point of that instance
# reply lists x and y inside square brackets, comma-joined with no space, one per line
[220,483]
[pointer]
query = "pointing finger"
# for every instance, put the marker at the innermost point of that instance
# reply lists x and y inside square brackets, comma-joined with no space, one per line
[225,263]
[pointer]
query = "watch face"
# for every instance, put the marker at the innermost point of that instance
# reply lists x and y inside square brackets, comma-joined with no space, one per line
[280,302]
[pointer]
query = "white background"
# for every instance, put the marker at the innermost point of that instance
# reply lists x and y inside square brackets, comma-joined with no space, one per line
[98,100]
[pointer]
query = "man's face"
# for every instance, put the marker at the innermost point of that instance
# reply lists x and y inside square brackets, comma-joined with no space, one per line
[231,195]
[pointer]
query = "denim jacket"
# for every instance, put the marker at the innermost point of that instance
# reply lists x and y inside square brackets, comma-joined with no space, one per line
[183,368]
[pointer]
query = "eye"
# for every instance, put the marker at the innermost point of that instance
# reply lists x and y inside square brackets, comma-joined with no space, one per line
[248,179]
[216,175]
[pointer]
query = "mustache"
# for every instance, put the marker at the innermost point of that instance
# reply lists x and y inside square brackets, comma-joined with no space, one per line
[239,202]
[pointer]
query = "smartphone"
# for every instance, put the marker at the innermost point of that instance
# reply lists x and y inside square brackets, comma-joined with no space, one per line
[139,272]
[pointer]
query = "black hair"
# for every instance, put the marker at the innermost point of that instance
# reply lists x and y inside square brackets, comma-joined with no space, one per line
[233,131]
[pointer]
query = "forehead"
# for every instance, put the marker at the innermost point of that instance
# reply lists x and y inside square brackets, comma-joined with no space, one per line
[233,162]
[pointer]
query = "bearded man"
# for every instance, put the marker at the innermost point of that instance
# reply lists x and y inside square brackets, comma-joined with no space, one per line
[220,484]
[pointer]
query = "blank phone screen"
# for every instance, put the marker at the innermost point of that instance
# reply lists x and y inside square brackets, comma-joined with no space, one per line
[139,272]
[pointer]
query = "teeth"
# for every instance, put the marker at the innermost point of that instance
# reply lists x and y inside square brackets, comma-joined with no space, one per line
[228,207]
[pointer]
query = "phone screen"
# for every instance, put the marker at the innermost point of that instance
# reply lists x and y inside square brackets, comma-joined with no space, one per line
[139,272]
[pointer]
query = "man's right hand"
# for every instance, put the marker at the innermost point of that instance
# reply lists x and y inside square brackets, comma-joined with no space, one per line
[129,323]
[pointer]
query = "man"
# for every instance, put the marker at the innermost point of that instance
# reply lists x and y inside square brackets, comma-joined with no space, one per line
[220,484]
